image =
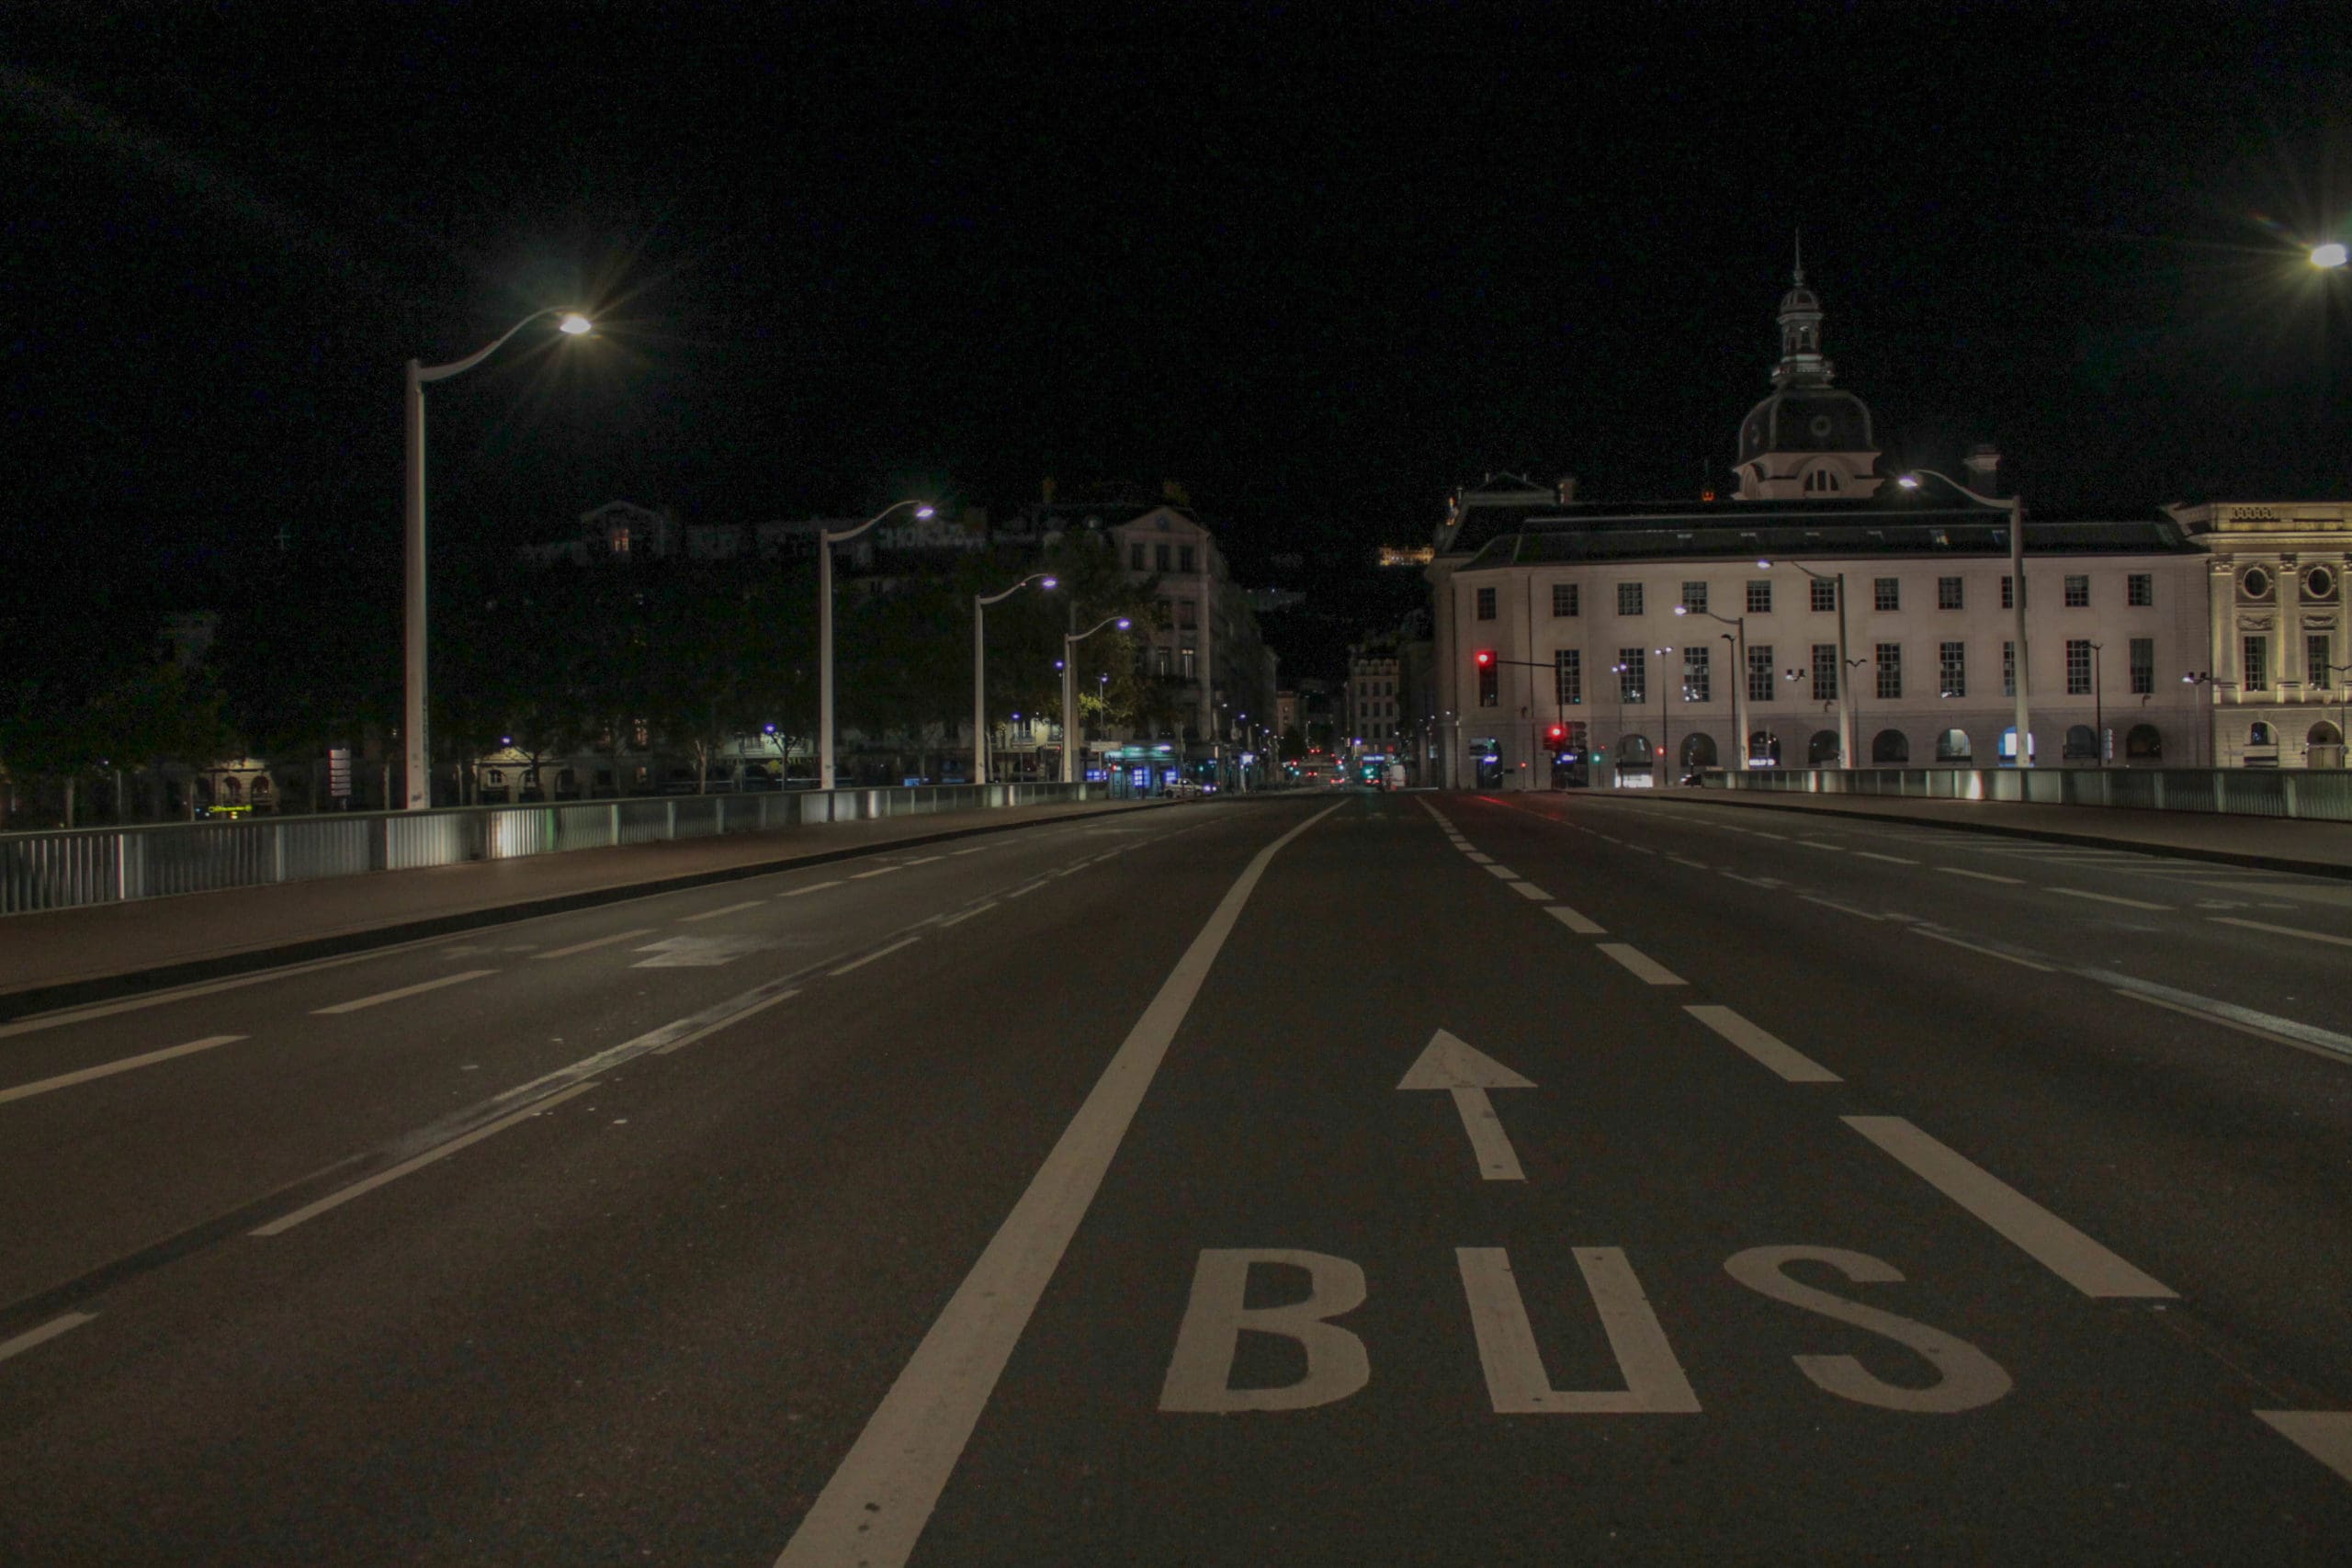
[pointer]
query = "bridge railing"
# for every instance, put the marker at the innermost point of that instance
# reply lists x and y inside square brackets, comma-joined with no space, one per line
[2319,794]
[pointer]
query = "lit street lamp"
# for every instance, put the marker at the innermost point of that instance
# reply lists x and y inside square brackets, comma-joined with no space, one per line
[2329,256]
[1738,676]
[1845,665]
[2017,579]
[979,670]
[826,539]
[418,787]
[1070,691]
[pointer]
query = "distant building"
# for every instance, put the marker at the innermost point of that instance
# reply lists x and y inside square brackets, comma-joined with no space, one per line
[2273,676]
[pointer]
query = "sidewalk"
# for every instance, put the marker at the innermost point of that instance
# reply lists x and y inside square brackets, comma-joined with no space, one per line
[64,957]
[2268,843]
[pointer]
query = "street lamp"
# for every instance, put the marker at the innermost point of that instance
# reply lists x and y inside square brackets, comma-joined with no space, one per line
[1665,725]
[1738,675]
[2098,707]
[826,539]
[418,787]
[979,668]
[1845,665]
[1070,691]
[2328,257]
[2016,509]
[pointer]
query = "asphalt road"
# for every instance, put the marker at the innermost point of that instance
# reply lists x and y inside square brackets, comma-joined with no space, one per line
[1350,1179]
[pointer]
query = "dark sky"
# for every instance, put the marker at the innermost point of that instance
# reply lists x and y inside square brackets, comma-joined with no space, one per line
[1318,268]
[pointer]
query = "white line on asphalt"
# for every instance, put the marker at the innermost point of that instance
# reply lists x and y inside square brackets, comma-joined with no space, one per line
[812,887]
[1478,859]
[1528,890]
[1025,892]
[285,1223]
[877,871]
[1989,952]
[44,1334]
[975,849]
[2109,898]
[714,914]
[1641,848]
[1891,859]
[875,1508]
[1841,909]
[1751,881]
[2282,931]
[881,952]
[2033,1229]
[1817,844]
[1980,876]
[1517,1384]
[1766,1047]
[1575,922]
[1694,865]
[959,919]
[2325,1435]
[108,1069]
[2279,1030]
[683,1041]
[1762,834]
[924,860]
[600,942]
[1643,966]
[381,997]
[1502,872]
[205,988]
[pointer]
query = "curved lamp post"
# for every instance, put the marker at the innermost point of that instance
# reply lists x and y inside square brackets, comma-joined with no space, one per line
[1070,691]
[826,539]
[2016,509]
[417,787]
[1738,676]
[979,670]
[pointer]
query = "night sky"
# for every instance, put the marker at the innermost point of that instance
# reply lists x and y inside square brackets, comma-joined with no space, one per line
[1320,271]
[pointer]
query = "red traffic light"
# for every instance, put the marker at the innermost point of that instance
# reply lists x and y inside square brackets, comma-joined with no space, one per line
[1557,733]
[1486,657]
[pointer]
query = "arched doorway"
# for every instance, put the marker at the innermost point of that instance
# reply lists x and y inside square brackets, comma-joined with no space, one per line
[1890,746]
[2326,746]
[1821,752]
[1698,752]
[1952,746]
[2081,744]
[2141,743]
[1634,751]
[1763,750]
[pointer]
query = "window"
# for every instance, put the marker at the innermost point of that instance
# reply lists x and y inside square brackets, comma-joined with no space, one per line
[1760,598]
[2318,667]
[2078,667]
[1886,593]
[1162,661]
[1629,598]
[1184,557]
[1821,480]
[1952,669]
[2139,588]
[1694,597]
[1486,604]
[1566,600]
[1760,673]
[2009,592]
[1889,670]
[1567,676]
[1697,684]
[2078,592]
[1135,556]
[2144,666]
[2255,671]
[1947,596]
[1824,595]
[1489,685]
[1159,556]
[2008,666]
[1633,670]
[1824,672]
[1890,746]
[1186,614]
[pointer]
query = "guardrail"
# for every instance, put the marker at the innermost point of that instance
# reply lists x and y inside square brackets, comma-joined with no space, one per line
[2324,796]
[107,866]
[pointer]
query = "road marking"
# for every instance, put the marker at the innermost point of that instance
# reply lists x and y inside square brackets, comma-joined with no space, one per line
[683,1041]
[2109,898]
[875,1508]
[812,887]
[714,914]
[105,1070]
[2282,931]
[1989,952]
[1644,967]
[1694,865]
[1762,834]
[1025,892]
[1891,859]
[926,860]
[1517,1384]
[1752,880]
[877,871]
[1504,872]
[44,1334]
[1528,890]
[382,996]
[697,952]
[1463,1070]
[1817,844]
[1575,922]
[1478,859]
[882,953]
[1980,876]
[600,942]
[2281,1030]
[208,987]
[1641,848]
[285,1223]
[1768,1048]
[2325,1435]
[975,849]
[959,919]
[2026,1224]
[1841,909]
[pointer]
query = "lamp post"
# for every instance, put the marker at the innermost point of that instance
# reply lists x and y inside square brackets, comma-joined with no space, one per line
[418,787]
[1738,625]
[1070,691]
[2016,509]
[1664,726]
[2098,707]
[1845,665]
[979,668]
[826,539]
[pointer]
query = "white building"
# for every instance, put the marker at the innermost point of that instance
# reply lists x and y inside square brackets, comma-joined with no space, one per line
[2274,672]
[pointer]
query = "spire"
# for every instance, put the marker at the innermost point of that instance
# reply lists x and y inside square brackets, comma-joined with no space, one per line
[1798,276]
[1801,363]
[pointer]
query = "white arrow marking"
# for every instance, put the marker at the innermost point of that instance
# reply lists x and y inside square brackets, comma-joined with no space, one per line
[1468,1074]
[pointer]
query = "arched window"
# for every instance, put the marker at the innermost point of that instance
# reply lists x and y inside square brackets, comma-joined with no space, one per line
[1890,746]
[2141,743]
[1763,750]
[2325,734]
[1698,750]
[1952,746]
[2082,744]
[230,790]
[1821,752]
[1634,751]
[2261,735]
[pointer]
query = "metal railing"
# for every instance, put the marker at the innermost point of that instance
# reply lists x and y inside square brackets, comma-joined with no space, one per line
[105,865]
[2317,795]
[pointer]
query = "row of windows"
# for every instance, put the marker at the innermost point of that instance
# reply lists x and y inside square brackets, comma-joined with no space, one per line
[1819,677]
[1184,557]
[1886,593]
[2320,667]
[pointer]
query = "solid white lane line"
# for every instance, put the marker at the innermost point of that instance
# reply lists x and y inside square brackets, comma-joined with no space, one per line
[1989,952]
[2109,898]
[44,1334]
[1817,844]
[600,942]
[975,849]
[285,1223]
[2282,931]
[959,919]
[877,871]
[924,860]
[729,909]
[812,887]
[1025,892]
[1642,965]
[1641,848]
[1478,859]
[1762,834]
[1528,890]
[2229,1015]
[1504,872]
[1891,859]
[1694,865]
[204,988]
[2026,1224]
[1841,909]
[1766,1047]
[2325,1435]
[382,996]
[875,1508]
[1751,881]
[1980,876]
[108,1069]
[732,1018]
[879,953]
[1574,921]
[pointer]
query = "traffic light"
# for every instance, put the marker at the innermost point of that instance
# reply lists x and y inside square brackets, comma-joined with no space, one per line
[1557,737]
[1486,657]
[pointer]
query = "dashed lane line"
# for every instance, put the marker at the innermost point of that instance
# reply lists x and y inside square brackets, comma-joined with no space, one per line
[1989,952]
[812,887]
[878,953]
[1841,909]
[1478,859]
[1574,921]
[1528,890]
[1642,967]
[2282,931]
[924,860]
[43,1333]
[1504,872]
[108,1069]
[1766,1047]
[959,919]
[1891,859]
[382,996]
[2325,1435]
[1817,844]
[599,941]
[1980,876]
[727,910]
[2107,899]
[975,849]
[877,871]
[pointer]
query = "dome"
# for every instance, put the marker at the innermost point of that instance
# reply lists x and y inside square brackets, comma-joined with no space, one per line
[1800,299]
[1806,418]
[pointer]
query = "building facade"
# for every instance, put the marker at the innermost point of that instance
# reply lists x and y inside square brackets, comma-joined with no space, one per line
[2275,677]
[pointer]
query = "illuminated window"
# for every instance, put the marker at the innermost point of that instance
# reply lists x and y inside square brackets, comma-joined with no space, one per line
[1633,671]
[1952,669]
[1698,675]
